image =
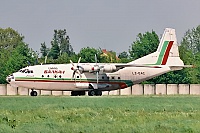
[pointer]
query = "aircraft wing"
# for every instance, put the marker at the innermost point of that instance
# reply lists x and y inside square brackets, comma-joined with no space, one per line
[108,67]
[120,66]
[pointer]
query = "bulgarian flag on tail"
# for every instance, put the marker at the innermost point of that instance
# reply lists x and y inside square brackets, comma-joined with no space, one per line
[164,53]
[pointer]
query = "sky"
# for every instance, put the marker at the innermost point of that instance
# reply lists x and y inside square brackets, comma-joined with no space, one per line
[105,24]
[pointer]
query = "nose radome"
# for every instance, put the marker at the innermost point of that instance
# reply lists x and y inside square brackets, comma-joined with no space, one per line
[9,78]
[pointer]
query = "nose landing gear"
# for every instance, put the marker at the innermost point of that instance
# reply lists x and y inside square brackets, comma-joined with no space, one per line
[33,93]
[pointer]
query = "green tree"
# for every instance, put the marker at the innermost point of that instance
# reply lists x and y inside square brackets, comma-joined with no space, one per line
[65,58]
[174,77]
[65,46]
[124,57]
[44,50]
[60,44]
[191,40]
[144,44]
[14,53]
[9,38]
[55,50]
[190,53]
[88,55]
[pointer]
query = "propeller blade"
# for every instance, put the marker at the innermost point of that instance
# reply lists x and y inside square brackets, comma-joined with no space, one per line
[73,75]
[78,72]
[79,60]
[95,57]
[71,62]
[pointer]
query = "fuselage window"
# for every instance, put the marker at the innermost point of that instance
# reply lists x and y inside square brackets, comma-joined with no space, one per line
[77,77]
[60,76]
[118,77]
[42,76]
[102,77]
[113,77]
[108,78]
[48,76]
[55,76]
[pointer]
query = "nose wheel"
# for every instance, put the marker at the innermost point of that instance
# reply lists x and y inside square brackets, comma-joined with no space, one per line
[33,93]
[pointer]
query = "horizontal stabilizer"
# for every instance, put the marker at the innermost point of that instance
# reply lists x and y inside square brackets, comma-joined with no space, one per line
[189,66]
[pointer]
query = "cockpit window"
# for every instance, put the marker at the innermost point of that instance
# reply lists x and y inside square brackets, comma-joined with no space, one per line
[25,71]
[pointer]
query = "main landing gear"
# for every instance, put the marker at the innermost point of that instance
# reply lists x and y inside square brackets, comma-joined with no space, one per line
[94,93]
[90,93]
[77,93]
[33,93]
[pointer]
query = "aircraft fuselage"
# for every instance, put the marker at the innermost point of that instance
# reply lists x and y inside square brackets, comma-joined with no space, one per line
[59,77]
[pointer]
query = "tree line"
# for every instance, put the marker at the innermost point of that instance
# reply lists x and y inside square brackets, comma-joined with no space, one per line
[16,54]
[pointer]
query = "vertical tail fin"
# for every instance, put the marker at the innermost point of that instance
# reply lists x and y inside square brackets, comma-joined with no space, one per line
[167,52]
[168,47]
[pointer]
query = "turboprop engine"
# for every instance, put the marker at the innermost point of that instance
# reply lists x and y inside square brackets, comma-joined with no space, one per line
[96,68]
[92,68]
[109,68]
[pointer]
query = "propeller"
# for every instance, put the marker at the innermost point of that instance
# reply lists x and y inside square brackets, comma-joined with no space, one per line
[77,69]
[96,69]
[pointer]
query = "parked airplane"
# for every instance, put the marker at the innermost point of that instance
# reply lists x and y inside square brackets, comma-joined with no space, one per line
[98,77]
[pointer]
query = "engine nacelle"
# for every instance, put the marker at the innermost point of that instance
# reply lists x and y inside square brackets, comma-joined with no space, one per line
[86,67]
[109,68]
[90,68]
[95,68]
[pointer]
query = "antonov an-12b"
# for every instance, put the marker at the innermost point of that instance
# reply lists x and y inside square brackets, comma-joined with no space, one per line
[98,77]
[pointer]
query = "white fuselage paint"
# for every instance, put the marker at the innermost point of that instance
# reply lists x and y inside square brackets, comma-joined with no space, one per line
[59,77]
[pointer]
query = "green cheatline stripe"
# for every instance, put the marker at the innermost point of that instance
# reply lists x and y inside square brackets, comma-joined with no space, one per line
[162,53]
[127,82]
